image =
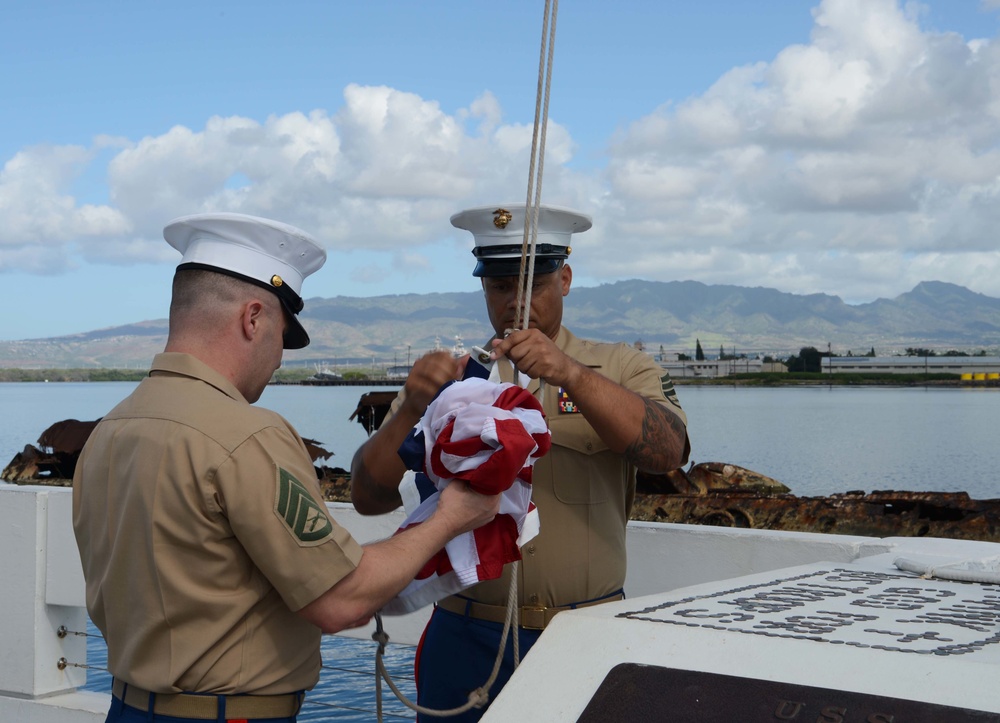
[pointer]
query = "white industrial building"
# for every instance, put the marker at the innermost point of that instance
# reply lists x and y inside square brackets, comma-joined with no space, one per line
[712,368]
[984,366]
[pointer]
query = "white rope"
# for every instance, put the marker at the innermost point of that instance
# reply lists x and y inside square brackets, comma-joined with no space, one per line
[546,54]
[480,696]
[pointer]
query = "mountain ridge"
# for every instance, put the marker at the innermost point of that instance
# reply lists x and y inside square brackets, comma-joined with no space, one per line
[672,315]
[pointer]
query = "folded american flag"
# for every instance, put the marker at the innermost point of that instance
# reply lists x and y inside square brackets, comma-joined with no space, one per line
[488,435]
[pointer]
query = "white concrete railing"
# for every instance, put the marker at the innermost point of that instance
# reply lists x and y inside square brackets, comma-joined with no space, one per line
[42,592]
[43,588]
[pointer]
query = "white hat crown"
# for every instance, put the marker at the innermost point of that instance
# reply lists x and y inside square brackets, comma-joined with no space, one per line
[268,253]
[503,225]
[254,247]
[499,233]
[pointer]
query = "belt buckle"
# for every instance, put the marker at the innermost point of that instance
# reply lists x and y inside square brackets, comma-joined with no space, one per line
[532,617]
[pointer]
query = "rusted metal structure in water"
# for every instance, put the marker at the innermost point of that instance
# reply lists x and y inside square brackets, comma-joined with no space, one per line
[709,493]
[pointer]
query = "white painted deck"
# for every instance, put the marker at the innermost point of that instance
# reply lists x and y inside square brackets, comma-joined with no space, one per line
[864,627]
[43,591]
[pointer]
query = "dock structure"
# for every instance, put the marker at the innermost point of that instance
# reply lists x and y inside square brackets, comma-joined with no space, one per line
[352,383]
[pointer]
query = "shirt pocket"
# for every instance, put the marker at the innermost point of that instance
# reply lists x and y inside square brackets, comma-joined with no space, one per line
[579,461]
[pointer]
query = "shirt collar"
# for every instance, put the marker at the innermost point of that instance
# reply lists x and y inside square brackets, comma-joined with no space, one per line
[173,362]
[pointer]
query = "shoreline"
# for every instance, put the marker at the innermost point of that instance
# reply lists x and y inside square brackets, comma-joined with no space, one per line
[763,379]
[840,380]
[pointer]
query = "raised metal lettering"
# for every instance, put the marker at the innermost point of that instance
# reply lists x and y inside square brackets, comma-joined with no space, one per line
[783,713]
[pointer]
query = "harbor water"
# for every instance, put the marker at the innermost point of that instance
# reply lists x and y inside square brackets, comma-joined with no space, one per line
[817,440]
[345,693]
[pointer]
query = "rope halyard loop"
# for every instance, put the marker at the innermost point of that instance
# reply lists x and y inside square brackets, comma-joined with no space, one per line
[478,697]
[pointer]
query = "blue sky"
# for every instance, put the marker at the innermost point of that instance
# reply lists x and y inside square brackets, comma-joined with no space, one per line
[849,147]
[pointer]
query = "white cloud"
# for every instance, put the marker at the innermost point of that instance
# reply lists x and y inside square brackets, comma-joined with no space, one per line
[874,145]
[384,172]
[858,164]
[39,212]
[411,264]
[369,274]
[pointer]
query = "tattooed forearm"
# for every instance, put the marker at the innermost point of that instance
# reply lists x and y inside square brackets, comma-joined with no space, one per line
[660,445]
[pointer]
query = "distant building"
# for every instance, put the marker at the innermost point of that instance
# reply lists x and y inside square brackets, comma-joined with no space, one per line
[400,371]
[912,365]
[711,368]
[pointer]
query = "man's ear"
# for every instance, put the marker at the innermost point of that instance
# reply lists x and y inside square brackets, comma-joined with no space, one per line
[566,279]
[250,317]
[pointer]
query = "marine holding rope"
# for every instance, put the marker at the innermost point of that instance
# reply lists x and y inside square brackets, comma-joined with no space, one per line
[611,410]
[212,565]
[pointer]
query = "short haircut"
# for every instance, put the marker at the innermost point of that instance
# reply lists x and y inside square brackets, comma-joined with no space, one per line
[199,296]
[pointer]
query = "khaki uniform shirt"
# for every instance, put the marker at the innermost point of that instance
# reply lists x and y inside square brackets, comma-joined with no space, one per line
[584,491]
[201,528]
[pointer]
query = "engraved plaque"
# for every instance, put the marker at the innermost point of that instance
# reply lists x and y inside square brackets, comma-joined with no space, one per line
[633,693]
[884,611]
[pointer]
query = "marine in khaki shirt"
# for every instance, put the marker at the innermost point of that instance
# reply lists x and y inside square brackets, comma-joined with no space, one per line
[584,491]
[231,538]
[610,409]
[212,566]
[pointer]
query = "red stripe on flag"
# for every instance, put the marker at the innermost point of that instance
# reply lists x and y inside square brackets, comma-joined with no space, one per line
[496,543]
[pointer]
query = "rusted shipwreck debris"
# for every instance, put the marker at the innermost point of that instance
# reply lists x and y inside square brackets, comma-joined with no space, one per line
[727,495]
[372,408]
[53,460]
[887,513]
[710,493]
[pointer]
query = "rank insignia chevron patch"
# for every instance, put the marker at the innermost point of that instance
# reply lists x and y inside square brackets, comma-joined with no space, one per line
[305,518]
[668,390]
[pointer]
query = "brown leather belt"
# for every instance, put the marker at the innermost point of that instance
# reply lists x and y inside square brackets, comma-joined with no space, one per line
[532,617]
[206,707]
